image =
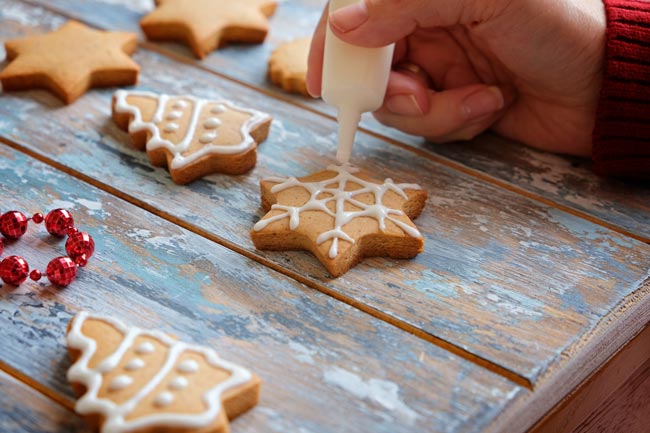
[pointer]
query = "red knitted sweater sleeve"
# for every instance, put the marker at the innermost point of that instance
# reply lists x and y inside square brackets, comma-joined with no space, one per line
[622,133]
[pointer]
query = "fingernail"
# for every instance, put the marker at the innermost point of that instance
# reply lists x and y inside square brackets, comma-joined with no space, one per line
[405,105]
[482,103]
[349,17]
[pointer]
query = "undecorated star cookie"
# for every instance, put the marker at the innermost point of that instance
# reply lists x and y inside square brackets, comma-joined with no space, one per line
[133,380]
[341,216]
[288,65]
[205,25]
[193,137]
[70,60]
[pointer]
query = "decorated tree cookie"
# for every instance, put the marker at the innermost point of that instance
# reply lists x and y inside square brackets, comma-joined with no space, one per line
[194,137]
[341,216]
[133,380]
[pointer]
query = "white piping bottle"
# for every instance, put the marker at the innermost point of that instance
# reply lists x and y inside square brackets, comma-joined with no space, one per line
[354,81]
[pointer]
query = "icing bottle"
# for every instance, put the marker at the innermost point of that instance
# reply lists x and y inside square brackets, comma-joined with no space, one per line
[354,81]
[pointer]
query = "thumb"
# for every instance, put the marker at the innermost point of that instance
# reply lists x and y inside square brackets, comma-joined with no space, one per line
[375,23]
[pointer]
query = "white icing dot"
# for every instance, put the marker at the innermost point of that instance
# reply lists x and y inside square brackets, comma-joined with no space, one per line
[218,109]
[178,383]
[171,127]
[208,138]
[188,366]
[134,364]
[180,104]
[174,115]
[211,123]
[144,348]
[120,382]
[163,399]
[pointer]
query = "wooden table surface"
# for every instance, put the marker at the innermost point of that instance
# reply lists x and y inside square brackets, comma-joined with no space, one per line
[534,274]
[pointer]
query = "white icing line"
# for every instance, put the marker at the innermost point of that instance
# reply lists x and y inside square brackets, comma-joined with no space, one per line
[115,415]
[340,196]
[156,141]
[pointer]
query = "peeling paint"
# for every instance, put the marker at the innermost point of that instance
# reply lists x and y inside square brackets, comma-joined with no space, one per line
[379,391]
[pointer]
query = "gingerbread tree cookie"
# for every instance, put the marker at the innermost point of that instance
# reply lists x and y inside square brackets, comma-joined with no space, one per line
[70,60]
[288,65]
[205,25]
[194,137]
[133,380]
[341,216]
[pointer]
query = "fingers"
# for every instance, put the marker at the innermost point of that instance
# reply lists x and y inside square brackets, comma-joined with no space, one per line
[315,59]
[375,23]
[456,114]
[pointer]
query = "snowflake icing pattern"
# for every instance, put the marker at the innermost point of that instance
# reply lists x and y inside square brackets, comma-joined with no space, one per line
[340,196]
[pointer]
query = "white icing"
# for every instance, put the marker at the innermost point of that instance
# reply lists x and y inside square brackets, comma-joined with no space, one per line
[340,196]
[174,115]
[180,160]
[208,138]
[134,364]
[163,399]
[145,348]
[188,366]
[120,382]
[171,127]
[115,415]
[218,109]
[180,104]
[211,123]
[178,382]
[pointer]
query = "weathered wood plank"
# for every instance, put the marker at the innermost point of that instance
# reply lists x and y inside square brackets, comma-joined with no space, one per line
[567,181]
[502,277]
[326,366]
[23,410]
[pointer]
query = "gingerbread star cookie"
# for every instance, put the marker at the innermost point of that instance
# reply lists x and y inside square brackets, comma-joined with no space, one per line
[134,380]
[194,137]
[288,65]
[341,215]
[70,60]
[205,25]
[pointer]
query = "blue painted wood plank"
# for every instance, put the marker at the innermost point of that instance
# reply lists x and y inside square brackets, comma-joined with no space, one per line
[567,181]
[502,277]
[326,367]
[24,410]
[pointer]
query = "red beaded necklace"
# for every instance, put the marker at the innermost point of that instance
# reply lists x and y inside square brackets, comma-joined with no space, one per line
[61,271]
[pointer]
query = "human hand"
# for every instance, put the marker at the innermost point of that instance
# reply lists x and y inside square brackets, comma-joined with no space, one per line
[530,69]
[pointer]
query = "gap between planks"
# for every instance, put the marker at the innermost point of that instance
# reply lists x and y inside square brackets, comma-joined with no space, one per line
[444,161]
[400,324]
[37,386]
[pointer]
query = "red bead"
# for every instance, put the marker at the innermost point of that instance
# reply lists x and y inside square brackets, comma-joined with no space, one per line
[82,260]
[14,270]
[2,245]
[61,271]
[78,244]
[58,221]
[13,224]
[37,217]
[35,275]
